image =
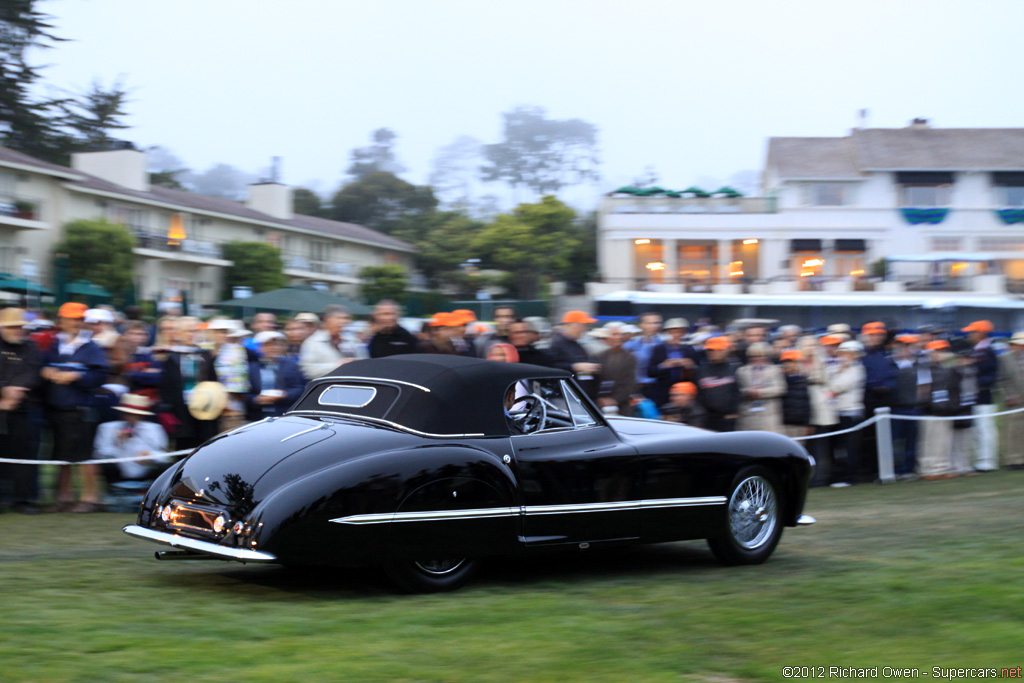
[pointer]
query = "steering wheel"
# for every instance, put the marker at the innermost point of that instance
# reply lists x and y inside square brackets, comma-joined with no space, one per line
[531,416]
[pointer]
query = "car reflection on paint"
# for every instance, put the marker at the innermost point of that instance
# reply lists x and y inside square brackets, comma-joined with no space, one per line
[426,464]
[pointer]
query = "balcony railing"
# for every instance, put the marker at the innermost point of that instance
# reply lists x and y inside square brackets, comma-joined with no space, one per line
[158,242]
[20,206]
[298,262]
[661,204]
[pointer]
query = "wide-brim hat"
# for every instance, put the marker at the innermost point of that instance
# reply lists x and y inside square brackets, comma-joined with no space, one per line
[13,317]
[207,401]
[136,404]
[1017,338]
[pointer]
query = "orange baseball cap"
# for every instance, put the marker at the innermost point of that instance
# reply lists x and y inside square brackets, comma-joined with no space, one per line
[440,319]
[72,309]
[830,339]
[908,338]
[719,343]
[873,328]
[578,317]
[791,354]
[464,316]
[979,326]
[937,344]
[684,388]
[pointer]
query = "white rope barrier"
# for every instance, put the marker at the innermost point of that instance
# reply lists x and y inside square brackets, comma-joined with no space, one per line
[860,425]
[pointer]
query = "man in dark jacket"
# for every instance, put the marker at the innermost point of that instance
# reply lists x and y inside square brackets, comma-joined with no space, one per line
[671,361]
[73,370]
[796,402]
[277,381]
[879,390]
[568,354]
[19,374]
[389,338]
[986,365]
[521,335]
[908,400]
[717,389]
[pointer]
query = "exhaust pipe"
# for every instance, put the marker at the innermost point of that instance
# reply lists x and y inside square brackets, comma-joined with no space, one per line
[165,555]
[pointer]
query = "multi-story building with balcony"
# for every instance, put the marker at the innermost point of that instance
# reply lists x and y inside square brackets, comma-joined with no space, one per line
[891,210]
[179,235]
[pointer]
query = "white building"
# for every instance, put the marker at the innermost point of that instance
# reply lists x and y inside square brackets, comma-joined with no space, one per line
[178,235]
[945,206]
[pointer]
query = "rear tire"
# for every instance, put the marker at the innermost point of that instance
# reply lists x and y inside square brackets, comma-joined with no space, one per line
[432,576]
[753,520]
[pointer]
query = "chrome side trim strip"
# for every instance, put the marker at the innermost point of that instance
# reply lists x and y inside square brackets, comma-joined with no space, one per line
[177,541]
[530,510]
[378,379]
[427,516]
[378,420]
[683,502]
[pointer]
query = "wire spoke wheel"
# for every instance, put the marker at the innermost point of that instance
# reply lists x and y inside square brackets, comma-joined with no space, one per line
[753,512]
[752,523]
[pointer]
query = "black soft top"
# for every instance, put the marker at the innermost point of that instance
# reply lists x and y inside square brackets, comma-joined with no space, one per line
[432,393]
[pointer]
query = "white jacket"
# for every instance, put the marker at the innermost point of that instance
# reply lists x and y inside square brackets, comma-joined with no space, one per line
[319,356]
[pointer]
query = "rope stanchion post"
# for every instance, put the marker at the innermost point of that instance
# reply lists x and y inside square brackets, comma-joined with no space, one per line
[883,437]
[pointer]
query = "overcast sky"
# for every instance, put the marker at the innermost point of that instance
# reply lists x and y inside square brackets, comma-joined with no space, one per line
[692,88]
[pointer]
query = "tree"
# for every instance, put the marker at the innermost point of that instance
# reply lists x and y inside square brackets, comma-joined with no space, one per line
[27,125]
[96,114]
[254,264]
[382,282]
[221,180]
[443,240]
[535,241]
[382,201]
[379,156]
[307,203]
[455,168]
[100,252]
[542,154]
[165,168]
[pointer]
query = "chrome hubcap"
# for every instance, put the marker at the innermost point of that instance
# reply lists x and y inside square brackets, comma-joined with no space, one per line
[752,512]
[439,567]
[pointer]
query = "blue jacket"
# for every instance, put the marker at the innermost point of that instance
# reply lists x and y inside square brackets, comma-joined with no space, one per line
[78,393]
[880,378]
[290,380]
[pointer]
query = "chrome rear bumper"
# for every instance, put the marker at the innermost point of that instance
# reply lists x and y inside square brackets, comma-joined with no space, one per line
[174,540]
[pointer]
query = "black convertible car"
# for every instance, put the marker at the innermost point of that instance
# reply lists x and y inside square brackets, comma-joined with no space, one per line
[426,463]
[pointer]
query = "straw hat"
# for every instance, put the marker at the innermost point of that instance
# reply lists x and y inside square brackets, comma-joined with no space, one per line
[13,317]
[208,400]
[136,404]
[268,335]
[1017,338]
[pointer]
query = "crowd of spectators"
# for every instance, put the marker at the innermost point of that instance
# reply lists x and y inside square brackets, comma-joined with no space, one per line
[95,384]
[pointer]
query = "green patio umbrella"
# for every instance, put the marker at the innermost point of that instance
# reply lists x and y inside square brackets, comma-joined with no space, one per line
[294,300]
[728,192]
[9,283]
[88,290]
[626,190]
[695,191]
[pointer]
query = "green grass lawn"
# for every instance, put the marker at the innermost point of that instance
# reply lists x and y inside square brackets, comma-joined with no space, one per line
[909,575]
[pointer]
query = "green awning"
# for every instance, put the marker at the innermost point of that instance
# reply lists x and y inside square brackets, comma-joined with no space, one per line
[9,283]
[295,300]
[86,288]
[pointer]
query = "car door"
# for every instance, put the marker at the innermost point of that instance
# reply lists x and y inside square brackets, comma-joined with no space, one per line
[579,482]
